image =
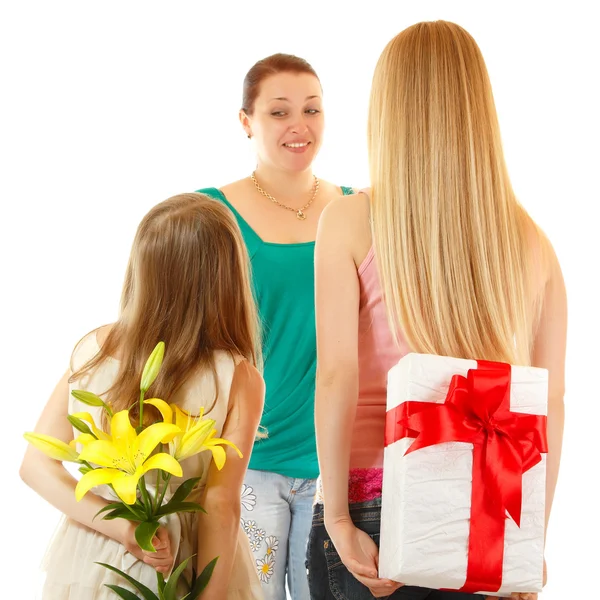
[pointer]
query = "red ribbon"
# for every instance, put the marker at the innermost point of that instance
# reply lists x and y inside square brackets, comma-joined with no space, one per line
[505,445]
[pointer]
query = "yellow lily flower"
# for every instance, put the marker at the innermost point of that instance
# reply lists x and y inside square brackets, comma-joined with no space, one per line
[214,445]
[196,434]
[52,447]
[83,439]
[165,409]
[85,416]
[126,456]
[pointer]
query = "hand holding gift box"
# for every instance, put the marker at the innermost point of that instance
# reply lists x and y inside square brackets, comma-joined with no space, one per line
[464,475]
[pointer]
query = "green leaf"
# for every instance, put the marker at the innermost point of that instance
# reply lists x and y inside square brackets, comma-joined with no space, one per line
[144,533]
[122,592]
[139,506]
[91,399]
[152,366]
[120,513]
[171,587]
[184,490]
[137,511]
[160,579]
[202,581]
[79,425]
[108,507]
[85,469]
[171,508]
[147,593]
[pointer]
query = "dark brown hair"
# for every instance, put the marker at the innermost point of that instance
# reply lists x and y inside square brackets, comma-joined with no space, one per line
[187,284]
[271,65]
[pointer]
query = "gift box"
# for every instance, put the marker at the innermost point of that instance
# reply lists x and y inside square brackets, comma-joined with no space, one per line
[464,476]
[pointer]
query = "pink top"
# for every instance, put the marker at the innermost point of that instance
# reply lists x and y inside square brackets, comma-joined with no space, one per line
[377,354]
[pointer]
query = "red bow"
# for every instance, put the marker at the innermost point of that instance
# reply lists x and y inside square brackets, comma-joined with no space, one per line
[505,445]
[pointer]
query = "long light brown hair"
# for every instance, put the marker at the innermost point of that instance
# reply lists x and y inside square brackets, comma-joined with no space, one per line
[188,284]
[455,250]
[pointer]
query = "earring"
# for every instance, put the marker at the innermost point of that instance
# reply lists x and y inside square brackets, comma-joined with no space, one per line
[249,136]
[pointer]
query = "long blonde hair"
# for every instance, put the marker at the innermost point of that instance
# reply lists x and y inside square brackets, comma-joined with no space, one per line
[453,245]
[188,284]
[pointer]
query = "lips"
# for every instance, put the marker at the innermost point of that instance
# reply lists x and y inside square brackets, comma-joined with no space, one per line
[296,144]
[297,147]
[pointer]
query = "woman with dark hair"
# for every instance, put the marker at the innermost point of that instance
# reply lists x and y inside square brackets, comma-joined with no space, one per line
[278,208]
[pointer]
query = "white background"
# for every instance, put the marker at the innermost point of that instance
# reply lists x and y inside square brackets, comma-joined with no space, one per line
[109,107]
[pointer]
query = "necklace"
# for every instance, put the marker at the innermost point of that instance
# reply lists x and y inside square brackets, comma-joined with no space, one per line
[299,211]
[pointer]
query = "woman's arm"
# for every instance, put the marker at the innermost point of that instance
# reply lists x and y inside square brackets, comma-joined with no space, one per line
[549,352]
[218,529]
[337,308]
[55,484]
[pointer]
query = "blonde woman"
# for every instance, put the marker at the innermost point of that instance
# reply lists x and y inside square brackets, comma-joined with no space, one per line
[188,285]
[440,259]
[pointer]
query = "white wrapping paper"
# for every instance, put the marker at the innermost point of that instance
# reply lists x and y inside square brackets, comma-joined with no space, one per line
[427,494]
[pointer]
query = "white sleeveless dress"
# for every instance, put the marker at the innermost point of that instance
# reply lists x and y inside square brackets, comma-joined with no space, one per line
[69,563]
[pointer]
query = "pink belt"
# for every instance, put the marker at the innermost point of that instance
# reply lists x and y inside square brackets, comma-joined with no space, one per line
[363,485]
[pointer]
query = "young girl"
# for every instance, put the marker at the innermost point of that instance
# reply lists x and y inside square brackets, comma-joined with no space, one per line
[187,284]
[278,207]
[441,260]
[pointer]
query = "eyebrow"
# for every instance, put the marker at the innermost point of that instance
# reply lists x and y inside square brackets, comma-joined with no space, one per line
[288,100]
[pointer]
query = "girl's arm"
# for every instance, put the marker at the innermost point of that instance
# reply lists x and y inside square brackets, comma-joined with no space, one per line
[55,484]
[219,528]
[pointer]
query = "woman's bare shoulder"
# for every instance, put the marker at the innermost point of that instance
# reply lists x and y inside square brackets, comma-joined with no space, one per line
[346,223]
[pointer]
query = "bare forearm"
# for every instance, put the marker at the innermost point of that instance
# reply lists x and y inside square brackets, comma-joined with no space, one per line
[335,412]
[53,482]
[556,420]
[218,532]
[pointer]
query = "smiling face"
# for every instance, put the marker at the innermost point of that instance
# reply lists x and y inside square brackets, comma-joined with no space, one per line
[287,121]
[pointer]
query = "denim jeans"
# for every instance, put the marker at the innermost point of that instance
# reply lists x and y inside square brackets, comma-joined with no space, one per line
[276,516]
[328,578]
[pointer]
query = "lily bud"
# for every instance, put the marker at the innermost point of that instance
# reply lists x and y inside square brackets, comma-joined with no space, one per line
[52,447]
[91,399]
[152,367]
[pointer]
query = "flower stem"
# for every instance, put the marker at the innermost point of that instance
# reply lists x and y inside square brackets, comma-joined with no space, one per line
[156,490]
[141,409]
[145,496]
[156,504]
[164,491]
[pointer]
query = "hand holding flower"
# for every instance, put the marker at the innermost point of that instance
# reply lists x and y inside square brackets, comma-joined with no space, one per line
[162,560]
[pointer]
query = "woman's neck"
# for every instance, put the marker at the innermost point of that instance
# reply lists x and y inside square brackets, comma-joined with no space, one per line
[284,184]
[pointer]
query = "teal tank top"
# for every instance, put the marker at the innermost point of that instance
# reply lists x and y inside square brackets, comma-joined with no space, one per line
[284,287]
